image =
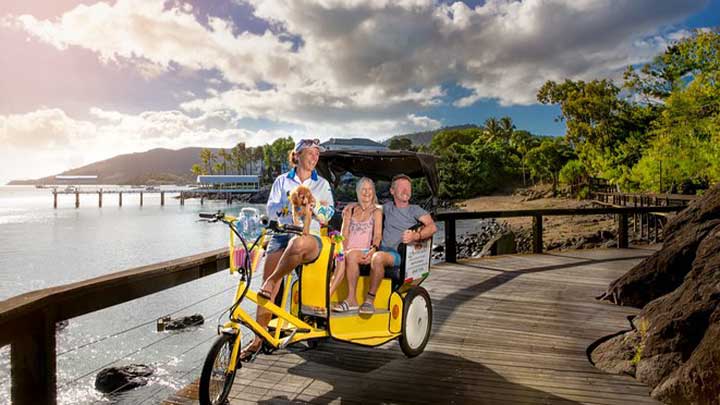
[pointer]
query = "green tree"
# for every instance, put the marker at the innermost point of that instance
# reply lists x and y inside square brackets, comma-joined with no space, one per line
[444,139]
[600,124]
[226,160]
[400,144]
[239,157]
[547,159]
[197,170]
[275,156]
[507,128]
[493,129]
[522,141]
[207,157]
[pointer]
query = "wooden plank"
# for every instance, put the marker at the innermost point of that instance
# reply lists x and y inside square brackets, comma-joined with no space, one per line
[508,329]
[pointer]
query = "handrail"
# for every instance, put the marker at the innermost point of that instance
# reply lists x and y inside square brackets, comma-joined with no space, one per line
[449,217]
[27,321]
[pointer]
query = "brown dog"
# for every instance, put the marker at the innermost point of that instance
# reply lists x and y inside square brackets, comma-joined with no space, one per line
[302,201]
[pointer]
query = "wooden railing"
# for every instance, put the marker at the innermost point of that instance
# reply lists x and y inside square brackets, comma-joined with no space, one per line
[537,214]
[27,322]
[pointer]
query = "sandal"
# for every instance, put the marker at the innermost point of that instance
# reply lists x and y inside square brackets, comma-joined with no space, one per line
[265,291]
[247,354]
[344,307]
[366,308]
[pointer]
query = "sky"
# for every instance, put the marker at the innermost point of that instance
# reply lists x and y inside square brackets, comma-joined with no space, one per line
[82,81]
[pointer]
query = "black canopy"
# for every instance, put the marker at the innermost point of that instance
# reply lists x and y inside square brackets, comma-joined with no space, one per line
[378,165]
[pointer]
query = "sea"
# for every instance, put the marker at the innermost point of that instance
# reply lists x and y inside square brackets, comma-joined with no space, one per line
[42,247]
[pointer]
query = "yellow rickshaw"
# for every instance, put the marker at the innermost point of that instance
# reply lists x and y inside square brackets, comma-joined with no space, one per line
[403,309]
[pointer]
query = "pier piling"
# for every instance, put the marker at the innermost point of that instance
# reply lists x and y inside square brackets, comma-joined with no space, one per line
[54,199]
[100,198]
[120,199]
[162,199]
[77,200]
[141,199]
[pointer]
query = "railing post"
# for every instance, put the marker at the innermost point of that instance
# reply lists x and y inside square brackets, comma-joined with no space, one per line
[450,245]
[33,365]
[141,198]
[77,199]
[162,198]
[537,234]
[54,199]
[623,231]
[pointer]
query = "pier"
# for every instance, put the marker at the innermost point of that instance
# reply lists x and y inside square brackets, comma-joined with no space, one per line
[182,194]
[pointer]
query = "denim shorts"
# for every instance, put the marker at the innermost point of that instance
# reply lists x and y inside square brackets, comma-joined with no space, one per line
[281,241]
[397,260]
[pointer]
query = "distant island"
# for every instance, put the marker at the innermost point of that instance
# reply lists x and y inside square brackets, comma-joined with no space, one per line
[167,166]
[156,166]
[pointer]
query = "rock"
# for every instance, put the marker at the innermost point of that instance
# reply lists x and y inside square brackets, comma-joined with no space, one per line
[501,244]
[665,270]
[680,330]
[616,354]
[184,322]
[117,379]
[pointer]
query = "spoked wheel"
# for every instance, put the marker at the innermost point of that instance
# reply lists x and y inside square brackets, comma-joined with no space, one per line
[416,323]
[215,380]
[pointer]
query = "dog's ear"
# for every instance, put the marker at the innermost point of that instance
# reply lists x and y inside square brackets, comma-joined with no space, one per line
[294,198]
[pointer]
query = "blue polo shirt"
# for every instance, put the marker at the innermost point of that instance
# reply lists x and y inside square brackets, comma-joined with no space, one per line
[278,205]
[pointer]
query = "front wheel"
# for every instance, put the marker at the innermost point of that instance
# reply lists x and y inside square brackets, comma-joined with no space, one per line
[416,323]
[215,379]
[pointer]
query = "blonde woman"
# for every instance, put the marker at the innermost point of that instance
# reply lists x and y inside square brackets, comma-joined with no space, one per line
[362,231]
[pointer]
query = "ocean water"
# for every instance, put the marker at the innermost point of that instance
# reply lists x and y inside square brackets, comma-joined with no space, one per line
[42,247]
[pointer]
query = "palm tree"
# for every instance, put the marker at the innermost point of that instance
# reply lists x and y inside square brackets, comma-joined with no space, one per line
[226,158]
[507,127]
[492,129]
[208,160]
[240,157]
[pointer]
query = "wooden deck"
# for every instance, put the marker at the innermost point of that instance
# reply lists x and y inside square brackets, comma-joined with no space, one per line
[506,330]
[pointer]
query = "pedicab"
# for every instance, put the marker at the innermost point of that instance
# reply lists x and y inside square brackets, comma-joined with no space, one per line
[302,312]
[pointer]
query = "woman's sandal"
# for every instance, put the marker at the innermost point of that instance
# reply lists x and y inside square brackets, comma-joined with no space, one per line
[248,355]
[344,307]
[265,291]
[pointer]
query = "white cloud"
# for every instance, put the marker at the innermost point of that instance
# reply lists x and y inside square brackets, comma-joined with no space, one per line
[360,66]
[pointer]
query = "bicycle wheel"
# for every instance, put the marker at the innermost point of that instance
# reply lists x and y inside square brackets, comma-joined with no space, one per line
[215,380]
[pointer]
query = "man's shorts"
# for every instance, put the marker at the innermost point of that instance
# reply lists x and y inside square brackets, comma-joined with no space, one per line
[281,241]
[396,256]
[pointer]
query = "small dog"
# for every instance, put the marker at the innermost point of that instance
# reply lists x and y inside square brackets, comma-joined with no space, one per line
[302,202]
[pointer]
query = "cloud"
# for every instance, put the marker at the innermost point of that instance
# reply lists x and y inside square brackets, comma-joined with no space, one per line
[348,64]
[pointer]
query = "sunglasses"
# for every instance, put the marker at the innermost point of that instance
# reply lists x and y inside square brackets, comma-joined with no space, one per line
[309,142]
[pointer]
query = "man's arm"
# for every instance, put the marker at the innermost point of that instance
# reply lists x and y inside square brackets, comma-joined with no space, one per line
[428,229]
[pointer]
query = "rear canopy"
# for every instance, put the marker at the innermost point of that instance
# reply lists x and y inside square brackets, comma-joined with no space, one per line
[378,165]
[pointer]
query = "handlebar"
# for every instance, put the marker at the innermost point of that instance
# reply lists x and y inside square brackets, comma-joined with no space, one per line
[272,225]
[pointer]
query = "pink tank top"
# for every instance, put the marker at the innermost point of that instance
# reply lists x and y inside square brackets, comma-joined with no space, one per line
[360,233]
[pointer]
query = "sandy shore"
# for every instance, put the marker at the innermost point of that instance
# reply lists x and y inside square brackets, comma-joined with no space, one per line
[555,229]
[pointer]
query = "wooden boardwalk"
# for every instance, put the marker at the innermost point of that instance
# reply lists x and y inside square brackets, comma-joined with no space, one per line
[506,330]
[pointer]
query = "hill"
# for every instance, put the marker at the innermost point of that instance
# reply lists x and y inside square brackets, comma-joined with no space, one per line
[424,138]
[156,166]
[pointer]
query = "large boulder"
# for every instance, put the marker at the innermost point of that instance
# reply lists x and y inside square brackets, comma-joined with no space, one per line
[665,270]
[676,337]
[116,379]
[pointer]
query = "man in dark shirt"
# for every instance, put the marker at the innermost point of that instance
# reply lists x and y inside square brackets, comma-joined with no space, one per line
[400,216]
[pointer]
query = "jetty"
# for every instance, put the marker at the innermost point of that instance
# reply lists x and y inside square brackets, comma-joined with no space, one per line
[224,187]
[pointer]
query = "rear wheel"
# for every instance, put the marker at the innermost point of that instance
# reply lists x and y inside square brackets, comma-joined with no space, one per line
[416,323]
[215,380]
